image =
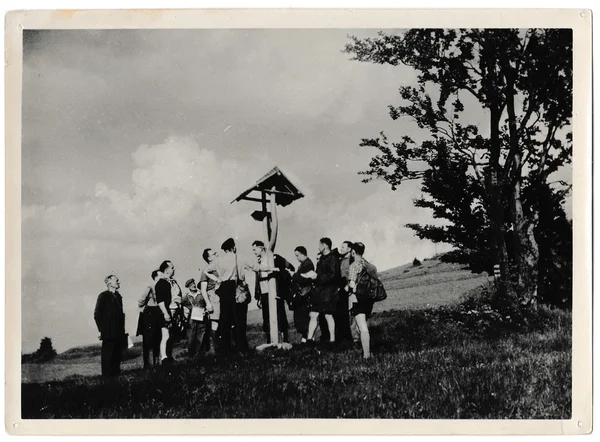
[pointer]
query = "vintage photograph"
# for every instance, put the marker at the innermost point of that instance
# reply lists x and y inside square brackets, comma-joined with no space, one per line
[356,223]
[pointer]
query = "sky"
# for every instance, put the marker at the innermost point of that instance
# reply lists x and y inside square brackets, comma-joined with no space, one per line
[136,142]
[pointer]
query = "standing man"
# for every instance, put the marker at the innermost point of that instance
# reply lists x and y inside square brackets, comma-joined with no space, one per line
[207,285]
[342,315]
[321,320]
[261,291]
[360,306]
[152,318]
[110,321]
[231,271]
[301,288]
[226,267]
[323,297]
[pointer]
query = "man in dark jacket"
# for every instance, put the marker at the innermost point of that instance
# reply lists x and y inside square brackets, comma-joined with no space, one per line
[110,321]
[342,314]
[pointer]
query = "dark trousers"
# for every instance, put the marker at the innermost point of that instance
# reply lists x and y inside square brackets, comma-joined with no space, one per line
[241,321]
[342,318]
[110,358]
[230,316]
[151,335]
[323,327]
[199,340]
[282,322]
[301,318]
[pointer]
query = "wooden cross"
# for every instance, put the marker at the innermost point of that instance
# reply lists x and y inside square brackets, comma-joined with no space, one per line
[274,189]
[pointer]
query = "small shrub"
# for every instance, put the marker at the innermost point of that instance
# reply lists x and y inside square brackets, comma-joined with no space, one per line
[45,353]
[416,262]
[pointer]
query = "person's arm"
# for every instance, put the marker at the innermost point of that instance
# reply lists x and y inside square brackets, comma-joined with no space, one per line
[166,313]
[211,272]
[256,267]
[160,298]
[99,310]
[212,276]
[287,265]
[309,275]
[203,290]
[144,298]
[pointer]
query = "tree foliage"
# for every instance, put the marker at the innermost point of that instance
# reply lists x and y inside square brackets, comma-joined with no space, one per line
[521,81]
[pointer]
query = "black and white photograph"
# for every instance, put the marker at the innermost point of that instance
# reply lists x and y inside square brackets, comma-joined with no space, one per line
[299,223]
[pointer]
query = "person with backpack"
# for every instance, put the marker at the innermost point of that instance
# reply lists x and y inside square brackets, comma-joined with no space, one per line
[366,290]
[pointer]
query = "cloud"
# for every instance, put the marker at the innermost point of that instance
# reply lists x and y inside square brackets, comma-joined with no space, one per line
[178,203]
[128,164]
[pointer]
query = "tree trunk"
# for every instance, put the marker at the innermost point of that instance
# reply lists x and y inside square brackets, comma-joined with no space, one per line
[496,213]
[526,252]
[525,248]
[494,178]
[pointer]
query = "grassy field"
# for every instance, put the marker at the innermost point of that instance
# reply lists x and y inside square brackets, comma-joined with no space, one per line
[453,359]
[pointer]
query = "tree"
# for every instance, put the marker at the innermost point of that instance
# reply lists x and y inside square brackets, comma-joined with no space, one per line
[454,196]
[554,235]
[522,81]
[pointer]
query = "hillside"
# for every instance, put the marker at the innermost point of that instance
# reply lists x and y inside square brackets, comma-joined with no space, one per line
[432,284]
[460,361]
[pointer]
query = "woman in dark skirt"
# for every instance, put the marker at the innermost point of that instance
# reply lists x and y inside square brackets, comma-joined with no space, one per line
[301,287]
[323,297]
[150,324]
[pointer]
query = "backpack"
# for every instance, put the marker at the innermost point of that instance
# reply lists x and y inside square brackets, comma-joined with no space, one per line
[368,285]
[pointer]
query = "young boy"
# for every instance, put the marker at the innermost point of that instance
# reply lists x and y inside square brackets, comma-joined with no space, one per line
[199,337]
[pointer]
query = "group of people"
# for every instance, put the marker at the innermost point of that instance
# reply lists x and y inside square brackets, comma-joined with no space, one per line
[212,312]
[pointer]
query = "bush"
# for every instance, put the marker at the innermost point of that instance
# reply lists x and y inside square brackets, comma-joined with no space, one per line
[416,262]
[45,353]
[497,310]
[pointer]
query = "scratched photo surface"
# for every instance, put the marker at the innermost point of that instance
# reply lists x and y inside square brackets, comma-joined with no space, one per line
[447,153]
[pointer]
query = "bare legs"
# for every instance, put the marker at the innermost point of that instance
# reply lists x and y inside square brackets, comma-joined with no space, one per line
[163,343]
[331,327]
[365,338]
[312,326]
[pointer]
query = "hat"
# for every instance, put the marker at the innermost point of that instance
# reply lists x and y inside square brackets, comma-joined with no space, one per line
[190,282]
